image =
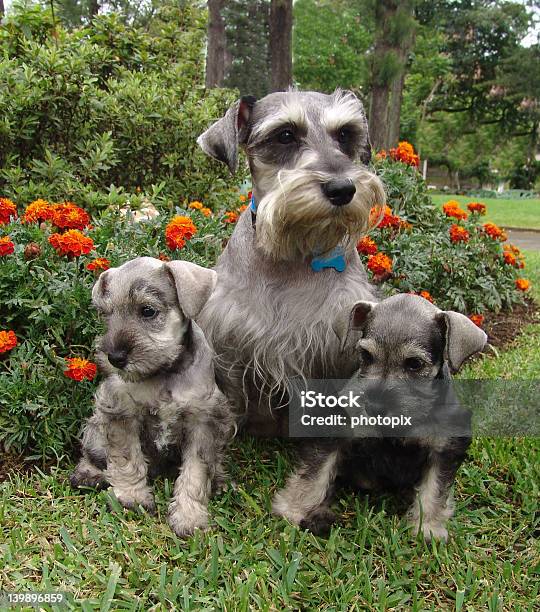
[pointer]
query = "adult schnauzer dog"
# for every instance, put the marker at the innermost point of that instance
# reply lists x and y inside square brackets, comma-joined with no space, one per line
[291,263]
[406,350]
[159,408]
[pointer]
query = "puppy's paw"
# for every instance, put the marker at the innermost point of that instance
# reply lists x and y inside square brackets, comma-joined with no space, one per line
[319,521]
[431,530]
[136,499]
[84,478]
[184,523]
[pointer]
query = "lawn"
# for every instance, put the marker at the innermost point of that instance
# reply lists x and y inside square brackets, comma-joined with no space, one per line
[508,213]
[57,539]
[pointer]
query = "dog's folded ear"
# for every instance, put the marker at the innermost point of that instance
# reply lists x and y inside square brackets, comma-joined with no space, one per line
[194,285]
[462,337]
[351,319]
[222,138]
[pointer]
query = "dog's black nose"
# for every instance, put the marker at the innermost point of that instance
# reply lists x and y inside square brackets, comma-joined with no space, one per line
[118,358]
[339,191]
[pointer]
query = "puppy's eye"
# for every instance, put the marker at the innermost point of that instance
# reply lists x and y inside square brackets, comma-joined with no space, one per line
[344,135]
[413,364]
[147,312]
[367,357]
[286,137]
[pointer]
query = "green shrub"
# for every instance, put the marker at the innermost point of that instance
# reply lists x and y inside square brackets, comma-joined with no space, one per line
[97,114]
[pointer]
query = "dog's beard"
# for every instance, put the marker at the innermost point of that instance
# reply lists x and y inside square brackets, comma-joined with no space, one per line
[295,220]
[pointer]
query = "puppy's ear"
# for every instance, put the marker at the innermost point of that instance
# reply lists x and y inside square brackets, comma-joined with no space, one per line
[351,319]
[100,289]
[194,285]
[462,337]
[221,139]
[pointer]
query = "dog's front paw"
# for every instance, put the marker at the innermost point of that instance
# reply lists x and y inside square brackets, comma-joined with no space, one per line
[319,521]
[83,478]
[431,530]
[184,523]
[134,499]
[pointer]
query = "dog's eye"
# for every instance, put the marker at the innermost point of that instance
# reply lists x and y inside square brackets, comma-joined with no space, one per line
[367,357]
[413,364]
[286,137]
[344,135]
[147,312]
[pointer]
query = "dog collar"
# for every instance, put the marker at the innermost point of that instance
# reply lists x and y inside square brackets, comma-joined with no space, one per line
[335,259]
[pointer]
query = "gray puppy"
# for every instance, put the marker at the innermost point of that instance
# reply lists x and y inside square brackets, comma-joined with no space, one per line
[401,344]
[159,407]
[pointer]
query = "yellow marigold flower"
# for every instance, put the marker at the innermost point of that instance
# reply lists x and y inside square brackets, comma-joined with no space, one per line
[38,210]
[196,205]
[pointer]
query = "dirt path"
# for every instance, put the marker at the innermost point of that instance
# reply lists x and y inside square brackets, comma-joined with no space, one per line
[530,241]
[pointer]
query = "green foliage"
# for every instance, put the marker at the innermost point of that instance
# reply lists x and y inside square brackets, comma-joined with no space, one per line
[469,277]
[106,105]
[330,43]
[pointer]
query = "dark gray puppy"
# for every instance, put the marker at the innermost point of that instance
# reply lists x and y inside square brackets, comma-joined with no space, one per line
[401,343]
[159,407]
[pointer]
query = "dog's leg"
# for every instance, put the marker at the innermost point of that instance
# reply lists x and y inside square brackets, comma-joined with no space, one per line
[90,469]
[126,465]
[305,500]
[188,509]
[434,502]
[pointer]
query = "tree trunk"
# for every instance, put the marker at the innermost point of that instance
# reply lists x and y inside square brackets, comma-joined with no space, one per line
[394,112]
[216,51]
[93,8]
[281,19]
[378,116]
[2,8]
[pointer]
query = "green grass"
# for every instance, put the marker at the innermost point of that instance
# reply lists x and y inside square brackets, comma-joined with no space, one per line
[508,213]
[56,539]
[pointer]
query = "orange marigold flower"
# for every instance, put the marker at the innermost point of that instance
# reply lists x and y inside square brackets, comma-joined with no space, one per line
[458,234]
[6,246]
[382,154]
[477,319]
[206,211]
[196,205]
[388,219]
[509,258]
[512,248]
[8,341]
[522,284]
[38,210]
[242,208]
[72,243]
[494,231]
[7,210]
[79,369]
[427,296]
[477,207]
[452,209]
[70,216]
[404,152]
[367,246]
[178,231]
[100,263]
[230,217]
[242,197]
[379,263]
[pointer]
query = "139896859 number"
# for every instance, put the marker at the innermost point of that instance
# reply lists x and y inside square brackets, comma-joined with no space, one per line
[31,598]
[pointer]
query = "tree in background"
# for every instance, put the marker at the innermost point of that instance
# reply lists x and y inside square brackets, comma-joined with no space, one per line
[281,22]
[337,55]
[216,45]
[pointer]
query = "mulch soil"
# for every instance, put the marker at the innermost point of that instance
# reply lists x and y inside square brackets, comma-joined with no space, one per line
[502,329]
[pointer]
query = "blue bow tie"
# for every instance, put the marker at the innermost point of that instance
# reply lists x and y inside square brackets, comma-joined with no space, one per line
[335,259]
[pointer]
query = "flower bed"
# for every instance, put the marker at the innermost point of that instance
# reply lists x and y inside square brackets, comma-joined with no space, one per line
[51,254]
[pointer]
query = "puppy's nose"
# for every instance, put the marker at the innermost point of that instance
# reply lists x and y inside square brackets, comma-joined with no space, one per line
[339,191]
[118,358]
